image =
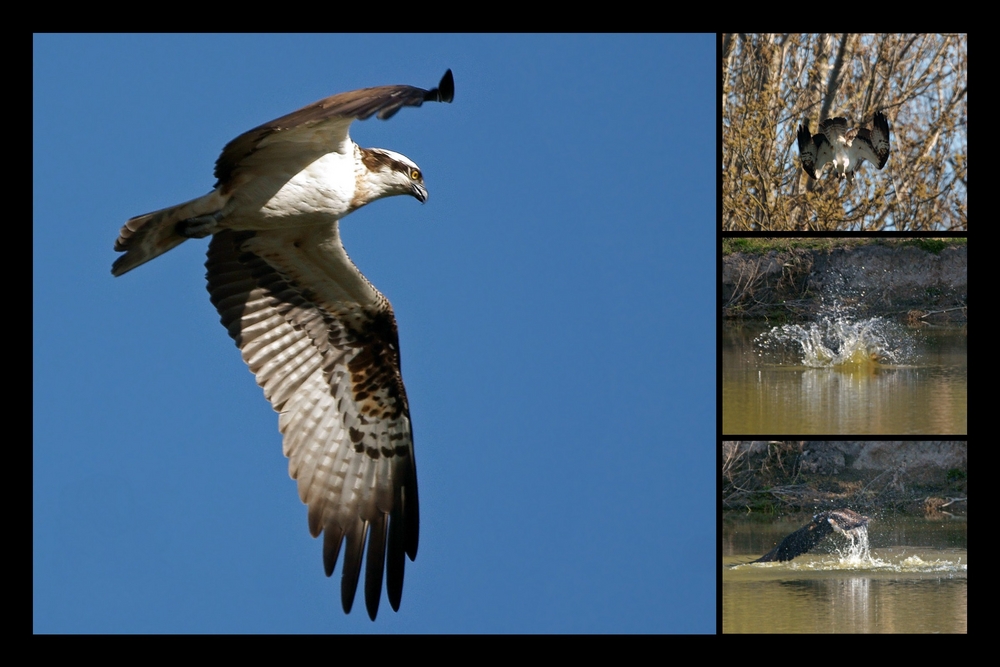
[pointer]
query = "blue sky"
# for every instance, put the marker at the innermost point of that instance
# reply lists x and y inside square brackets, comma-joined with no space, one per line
[556,305]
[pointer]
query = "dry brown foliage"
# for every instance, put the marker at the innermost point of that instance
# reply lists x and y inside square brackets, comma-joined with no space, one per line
[771,83]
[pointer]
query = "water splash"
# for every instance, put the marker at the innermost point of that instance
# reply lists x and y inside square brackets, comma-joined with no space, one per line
[837,338]
[857,551]
[859,557]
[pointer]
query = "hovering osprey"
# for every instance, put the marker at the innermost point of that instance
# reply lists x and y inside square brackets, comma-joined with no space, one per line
[843,521]
[845,148]
[321,340]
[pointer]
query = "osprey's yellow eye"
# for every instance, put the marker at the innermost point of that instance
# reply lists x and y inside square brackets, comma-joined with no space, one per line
[415,174]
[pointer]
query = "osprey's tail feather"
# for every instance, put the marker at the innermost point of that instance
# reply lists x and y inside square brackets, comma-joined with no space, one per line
[145,237]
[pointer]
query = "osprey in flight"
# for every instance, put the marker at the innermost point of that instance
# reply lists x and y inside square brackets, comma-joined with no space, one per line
[845,148]
[319,337]
[843,521]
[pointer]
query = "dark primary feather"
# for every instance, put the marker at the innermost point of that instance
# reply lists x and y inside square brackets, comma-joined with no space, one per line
[809,147]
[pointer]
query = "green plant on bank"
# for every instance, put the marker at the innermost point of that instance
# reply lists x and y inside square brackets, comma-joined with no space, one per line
[956,474]
[763,244]
[935,246]
[762,503]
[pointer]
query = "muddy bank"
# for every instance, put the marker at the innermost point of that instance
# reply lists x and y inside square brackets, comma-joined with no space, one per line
[773,476]
[921,280]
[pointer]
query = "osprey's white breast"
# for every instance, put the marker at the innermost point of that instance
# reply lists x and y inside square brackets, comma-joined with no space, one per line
[841,157]
[322,191]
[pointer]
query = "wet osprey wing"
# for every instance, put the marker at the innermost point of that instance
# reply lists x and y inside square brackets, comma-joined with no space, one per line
[844,521]
[799,542]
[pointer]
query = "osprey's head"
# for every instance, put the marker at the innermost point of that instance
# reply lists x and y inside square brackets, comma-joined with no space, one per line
[846,522]
[390,174]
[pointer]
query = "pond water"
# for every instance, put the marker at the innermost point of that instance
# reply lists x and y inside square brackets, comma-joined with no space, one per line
[913,579]
[868,376]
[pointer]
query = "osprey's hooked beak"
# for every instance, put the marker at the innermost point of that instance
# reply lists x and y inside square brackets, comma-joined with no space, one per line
[418,191]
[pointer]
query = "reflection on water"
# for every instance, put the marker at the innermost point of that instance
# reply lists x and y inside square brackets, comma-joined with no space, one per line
[925,596]
[896,588]
[866,377]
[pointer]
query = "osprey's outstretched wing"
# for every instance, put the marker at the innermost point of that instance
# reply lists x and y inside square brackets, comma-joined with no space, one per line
[805,538]
[298,138]
[322,342]
[264,159]
[814,149]
[873,145]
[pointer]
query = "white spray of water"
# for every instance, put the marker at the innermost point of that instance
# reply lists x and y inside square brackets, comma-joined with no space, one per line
[836,339]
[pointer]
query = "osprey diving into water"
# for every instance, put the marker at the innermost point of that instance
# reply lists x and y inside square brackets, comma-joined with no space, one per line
[842,521]
[845,148]
[319,337]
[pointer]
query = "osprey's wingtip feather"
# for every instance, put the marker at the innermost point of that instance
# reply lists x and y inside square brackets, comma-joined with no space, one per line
[445,91]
